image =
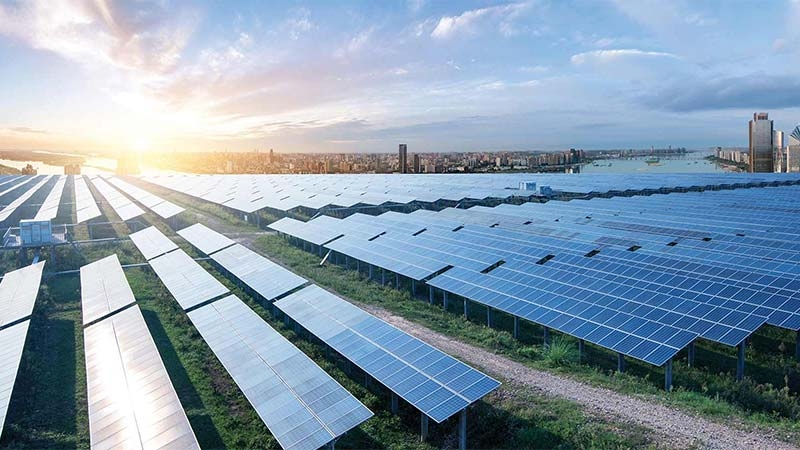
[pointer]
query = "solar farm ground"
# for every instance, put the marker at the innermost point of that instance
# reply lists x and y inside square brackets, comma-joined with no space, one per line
[540,405]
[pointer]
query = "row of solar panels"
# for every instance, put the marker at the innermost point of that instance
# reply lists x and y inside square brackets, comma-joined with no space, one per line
[250,193]
[626,290]
[18,292]
[434,382]
[21,188]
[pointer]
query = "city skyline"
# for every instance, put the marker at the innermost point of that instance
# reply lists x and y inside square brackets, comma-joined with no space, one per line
[362,77]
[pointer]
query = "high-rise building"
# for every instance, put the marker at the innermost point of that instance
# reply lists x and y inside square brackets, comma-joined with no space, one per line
[761,159]
[793,151]
[416,163]
[778,151]
[403,160]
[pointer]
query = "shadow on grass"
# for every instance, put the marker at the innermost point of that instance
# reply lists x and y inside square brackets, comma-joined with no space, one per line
[42,412]
[207,434]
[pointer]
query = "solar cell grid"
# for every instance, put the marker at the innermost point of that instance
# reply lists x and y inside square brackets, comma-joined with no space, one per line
[432,381]
[303,407]
[18,292]
[151,242]
[132,403]
[104,289]
[185,279]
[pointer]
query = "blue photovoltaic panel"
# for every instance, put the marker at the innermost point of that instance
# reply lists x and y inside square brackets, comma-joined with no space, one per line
[257,272]
[132,403]
[616,330]
[205,239]
[303,407]
[185,279]
[151,242]
[434,382]
[12,342]
[409,264]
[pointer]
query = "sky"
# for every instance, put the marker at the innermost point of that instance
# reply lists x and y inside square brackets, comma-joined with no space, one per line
[363,76]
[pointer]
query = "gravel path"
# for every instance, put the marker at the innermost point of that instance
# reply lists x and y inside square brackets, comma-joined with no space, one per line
[677,427]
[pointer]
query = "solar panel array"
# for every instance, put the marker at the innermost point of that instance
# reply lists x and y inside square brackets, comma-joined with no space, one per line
[14,184]
[434,382]
[186,280]
[250,193]
[303,407]
[163,208]
[132,403]
[643,276]
[121,205]
[6,212]
[85,206]
[49,208]
[104,289]
[18,292]
[205,239]
[152,242]
[261,275]
[12,342]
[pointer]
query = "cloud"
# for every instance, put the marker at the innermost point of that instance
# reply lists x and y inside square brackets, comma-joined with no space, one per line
[468,22]
[754,91]
[298,24]
[27,130]
[138,36]
[606,56]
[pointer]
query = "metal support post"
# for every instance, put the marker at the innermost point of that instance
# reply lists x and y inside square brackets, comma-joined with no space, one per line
[489,316]
[423,435]
[395,403]
[462,430]
[620,362]
[444,300]
[668,375]
[546,336]
[797,345]
[430,294]
[516,327]
[690,354]
[740,362]
[466,305]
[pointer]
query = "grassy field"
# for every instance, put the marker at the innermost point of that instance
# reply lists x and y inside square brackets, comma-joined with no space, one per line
[767,397]
[49,406]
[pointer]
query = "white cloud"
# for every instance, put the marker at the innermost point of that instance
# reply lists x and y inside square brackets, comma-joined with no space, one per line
[298,24]
[469,21]
[415,5]
[605,56]
[356,44]
[139,36]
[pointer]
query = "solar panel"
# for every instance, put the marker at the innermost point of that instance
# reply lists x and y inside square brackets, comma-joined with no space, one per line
[12,342]
[185,279]
[132,403]
[16,184]
[104,289]
[434,382]
[205,239]
[303,407]
[260,274]
[12,207]
[158,205]
[49,208]
[85,205]
[18,292]
[152,242]
[121,205]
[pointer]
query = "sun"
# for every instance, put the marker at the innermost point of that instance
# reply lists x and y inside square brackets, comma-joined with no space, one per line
[141,144]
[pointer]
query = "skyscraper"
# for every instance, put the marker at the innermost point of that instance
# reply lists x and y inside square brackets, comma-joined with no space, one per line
[793,151]
[761,144]
[778,151]
[416,163]
[403,161]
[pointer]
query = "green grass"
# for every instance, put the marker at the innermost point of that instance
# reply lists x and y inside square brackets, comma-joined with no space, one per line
[762,400]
